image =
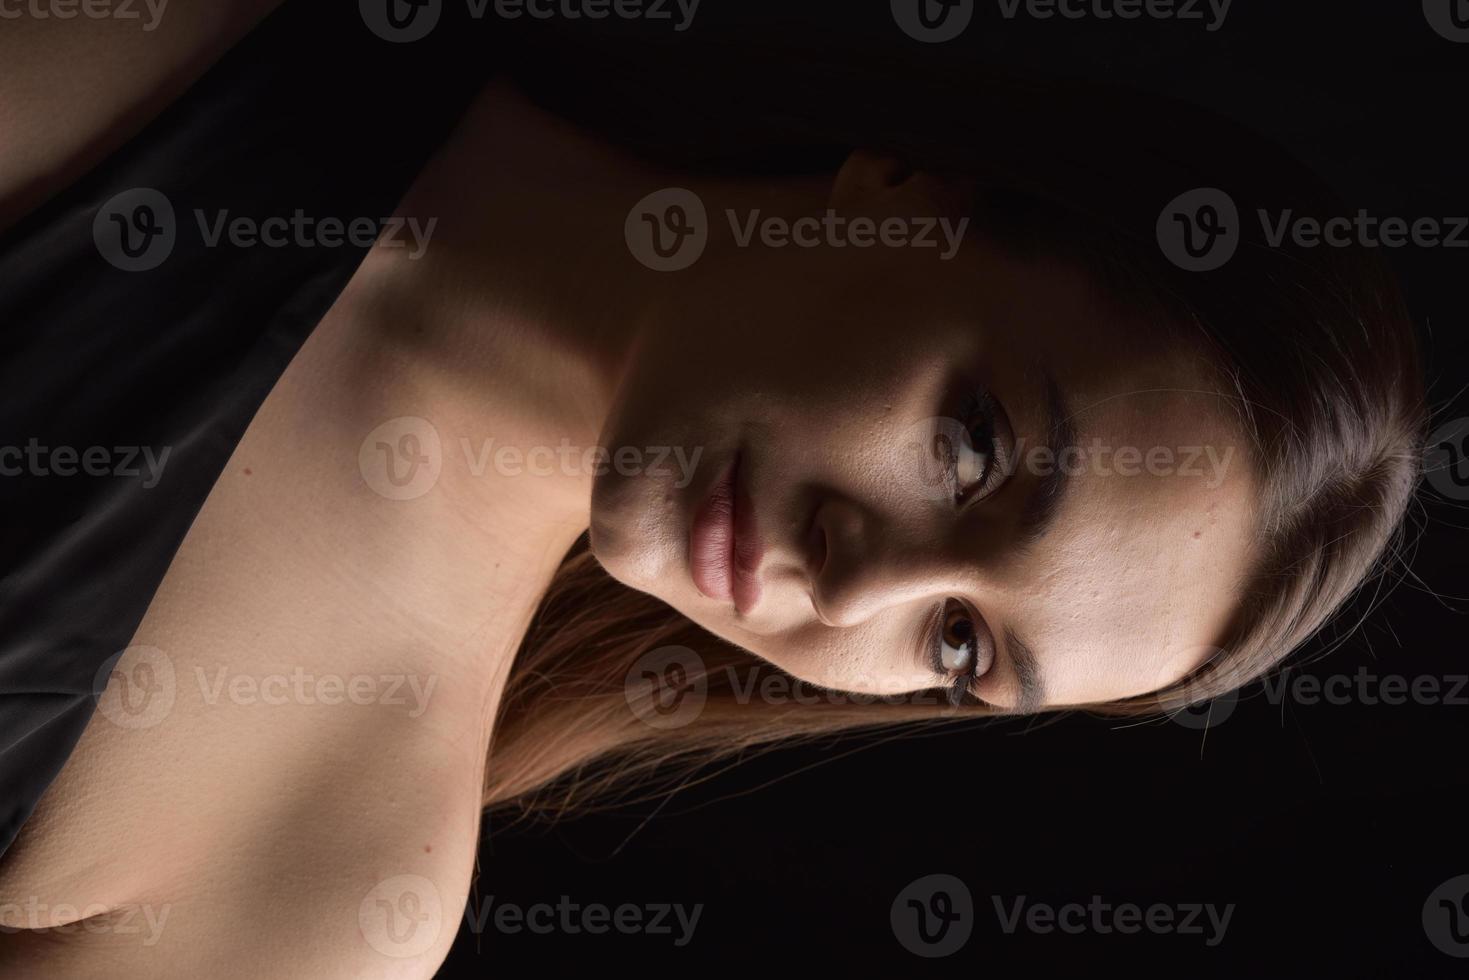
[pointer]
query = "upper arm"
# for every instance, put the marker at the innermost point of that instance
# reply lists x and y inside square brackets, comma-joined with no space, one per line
[312,867]
[400,927]
[75,88]
[245,837]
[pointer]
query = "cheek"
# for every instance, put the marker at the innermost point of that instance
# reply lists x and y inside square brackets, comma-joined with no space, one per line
[874,659]
[793,334]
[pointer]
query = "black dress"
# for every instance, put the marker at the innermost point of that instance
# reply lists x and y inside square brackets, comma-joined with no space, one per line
[135,347]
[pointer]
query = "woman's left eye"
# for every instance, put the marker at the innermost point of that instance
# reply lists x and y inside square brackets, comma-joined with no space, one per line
[956,640]
[962,650]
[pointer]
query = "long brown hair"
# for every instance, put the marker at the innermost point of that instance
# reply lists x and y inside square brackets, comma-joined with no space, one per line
[1314,343]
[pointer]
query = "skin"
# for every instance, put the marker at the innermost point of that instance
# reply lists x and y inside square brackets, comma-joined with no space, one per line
[77,87]
[820,379]
[819,361]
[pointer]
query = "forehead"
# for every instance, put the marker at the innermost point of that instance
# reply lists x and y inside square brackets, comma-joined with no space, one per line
[1143,568]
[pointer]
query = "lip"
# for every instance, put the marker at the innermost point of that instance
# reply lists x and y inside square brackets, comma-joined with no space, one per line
[724,544]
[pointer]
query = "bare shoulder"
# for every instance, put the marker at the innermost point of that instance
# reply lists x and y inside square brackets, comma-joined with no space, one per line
[78,79]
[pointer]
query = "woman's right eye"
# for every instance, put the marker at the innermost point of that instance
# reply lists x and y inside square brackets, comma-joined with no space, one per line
[975,455]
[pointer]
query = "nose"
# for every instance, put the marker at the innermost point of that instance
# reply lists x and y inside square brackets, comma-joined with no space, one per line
[864,562]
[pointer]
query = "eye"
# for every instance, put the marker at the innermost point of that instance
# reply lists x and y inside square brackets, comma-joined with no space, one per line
[976,455]
[962,649]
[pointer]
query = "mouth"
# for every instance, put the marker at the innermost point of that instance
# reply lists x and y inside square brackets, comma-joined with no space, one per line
[724,546]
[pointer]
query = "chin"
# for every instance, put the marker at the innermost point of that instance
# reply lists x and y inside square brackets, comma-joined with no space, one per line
[634,531]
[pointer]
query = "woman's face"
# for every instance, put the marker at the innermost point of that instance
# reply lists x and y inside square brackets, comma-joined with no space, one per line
[876,507]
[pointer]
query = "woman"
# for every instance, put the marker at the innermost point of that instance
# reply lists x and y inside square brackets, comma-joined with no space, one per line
[480,508]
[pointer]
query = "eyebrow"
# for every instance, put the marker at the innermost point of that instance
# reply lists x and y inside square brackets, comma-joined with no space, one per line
[1027,673]
[1040,510]
[1037,517]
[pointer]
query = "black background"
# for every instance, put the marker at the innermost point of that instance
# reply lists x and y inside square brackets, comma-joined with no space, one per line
[1327,825]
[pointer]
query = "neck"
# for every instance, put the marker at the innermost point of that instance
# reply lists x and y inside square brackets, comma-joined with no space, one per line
[457,398]
[427,459]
